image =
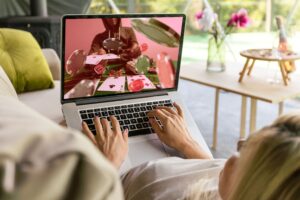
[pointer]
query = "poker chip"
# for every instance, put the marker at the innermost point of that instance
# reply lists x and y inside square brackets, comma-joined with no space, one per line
[144,47]
[136,86]
[165,70]
[99,69]
[157,31]
[75,62]
[112,44]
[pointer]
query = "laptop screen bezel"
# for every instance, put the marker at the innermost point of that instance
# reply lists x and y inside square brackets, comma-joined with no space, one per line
[121,96]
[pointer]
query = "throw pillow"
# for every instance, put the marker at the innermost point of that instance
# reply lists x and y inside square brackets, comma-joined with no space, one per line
[23,61]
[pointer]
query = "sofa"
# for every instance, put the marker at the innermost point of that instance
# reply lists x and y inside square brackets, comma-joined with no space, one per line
[47,102]
[40,159]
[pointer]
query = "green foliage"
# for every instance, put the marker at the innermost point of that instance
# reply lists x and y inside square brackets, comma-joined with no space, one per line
[224,8]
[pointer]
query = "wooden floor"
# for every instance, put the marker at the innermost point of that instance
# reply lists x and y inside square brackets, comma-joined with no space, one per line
[200,103]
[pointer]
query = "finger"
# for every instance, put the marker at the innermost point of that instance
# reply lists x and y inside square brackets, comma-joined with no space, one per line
[88,133]
[179,109]
[155,126]
[169,109]
[99,130]
[106,126]
[167,112]
[125,135]
[157,113]
[115,124]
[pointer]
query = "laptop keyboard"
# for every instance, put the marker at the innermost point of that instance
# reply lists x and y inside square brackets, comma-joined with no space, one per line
[130,116]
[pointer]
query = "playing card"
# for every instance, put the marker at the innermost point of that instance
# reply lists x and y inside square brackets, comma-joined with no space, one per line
[84,88]
[116,84]
[96,59]
[147,83]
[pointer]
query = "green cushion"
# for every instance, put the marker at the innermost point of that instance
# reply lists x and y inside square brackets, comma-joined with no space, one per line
[23,61]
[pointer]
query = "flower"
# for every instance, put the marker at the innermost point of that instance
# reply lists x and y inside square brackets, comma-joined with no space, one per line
[206,19]
[239,19]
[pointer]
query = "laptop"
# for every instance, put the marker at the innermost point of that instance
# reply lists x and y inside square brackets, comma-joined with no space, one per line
[126,66]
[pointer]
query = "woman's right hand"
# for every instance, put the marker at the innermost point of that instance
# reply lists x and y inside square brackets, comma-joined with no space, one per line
[174,132]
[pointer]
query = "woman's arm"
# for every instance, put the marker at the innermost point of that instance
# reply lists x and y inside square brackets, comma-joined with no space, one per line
[174,132]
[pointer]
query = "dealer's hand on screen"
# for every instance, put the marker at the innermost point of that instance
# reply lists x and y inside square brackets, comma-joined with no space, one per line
[109,140]
[174,132]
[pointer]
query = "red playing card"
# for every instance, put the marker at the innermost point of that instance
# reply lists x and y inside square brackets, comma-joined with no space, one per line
[99,69]
[136,86]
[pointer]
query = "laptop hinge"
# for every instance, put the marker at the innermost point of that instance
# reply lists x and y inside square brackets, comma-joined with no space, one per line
[118,98]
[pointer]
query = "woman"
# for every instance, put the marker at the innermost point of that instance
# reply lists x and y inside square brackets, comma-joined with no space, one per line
[267,167]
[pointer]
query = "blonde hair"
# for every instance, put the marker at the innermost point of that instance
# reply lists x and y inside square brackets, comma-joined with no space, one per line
[269,166]
[204,189]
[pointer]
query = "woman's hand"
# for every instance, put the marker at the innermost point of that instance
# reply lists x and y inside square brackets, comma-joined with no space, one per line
[109,140]
[174,132]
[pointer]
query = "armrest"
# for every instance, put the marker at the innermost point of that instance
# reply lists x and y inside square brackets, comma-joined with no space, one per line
[53,62]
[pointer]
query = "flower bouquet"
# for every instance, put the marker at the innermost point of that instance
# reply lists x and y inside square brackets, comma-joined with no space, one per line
[208,22]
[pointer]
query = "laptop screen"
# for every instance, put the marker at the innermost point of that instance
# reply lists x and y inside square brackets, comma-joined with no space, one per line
[120,54]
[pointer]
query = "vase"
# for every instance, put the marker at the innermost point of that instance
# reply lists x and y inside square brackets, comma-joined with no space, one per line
[216,55]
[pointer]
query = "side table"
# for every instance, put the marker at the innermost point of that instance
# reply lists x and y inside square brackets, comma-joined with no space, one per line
[283,58]
[255,88]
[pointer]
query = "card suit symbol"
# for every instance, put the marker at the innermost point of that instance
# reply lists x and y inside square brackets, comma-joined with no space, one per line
[112,86]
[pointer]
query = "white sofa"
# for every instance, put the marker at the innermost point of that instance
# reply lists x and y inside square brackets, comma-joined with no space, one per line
[47,102]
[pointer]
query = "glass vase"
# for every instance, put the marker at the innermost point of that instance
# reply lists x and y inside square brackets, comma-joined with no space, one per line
[216,55]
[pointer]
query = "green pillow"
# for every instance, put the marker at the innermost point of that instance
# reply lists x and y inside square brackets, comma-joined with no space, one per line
[23,61]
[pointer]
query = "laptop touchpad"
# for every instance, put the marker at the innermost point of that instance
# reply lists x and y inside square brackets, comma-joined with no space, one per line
[143,151]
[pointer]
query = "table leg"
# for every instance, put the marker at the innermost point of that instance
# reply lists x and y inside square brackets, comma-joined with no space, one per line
[243,117]
[253,115]
[280,108]
[283,73]
[251,67]
[244,70]
[215,130]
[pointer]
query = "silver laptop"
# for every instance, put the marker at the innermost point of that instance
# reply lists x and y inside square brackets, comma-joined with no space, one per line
[123,65]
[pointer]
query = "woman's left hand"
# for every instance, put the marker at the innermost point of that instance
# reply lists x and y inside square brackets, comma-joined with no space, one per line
[109,140]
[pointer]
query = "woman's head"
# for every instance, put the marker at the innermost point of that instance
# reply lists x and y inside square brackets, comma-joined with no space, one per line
[268,166]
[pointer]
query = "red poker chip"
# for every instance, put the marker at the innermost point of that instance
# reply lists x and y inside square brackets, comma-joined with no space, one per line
[165,70]
[75,62]
[136,86]
[99,69]
[144,47]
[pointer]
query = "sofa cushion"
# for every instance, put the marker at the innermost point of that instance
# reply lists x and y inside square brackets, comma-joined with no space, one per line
[6,88]
[42,160]
[46,102]
[23,61]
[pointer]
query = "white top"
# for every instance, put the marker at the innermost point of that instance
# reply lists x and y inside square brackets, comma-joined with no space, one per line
[170,178]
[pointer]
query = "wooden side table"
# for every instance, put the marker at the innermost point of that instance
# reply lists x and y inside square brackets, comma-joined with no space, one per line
[283,59]
[255,89]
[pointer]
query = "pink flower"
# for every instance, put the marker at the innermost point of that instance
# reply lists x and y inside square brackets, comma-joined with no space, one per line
[239,19]
[199,15]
